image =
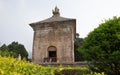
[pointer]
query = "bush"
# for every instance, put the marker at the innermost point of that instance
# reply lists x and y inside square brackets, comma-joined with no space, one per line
[12,66]
[72,71]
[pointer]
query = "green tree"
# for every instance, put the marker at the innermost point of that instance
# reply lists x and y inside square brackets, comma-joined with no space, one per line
[4,47]
[17,49]
[77,43]
[102,47]
[4,50]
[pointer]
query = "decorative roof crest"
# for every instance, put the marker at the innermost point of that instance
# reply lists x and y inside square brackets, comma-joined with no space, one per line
[56,11]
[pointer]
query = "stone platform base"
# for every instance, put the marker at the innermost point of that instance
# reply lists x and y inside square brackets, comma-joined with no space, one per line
[75,64]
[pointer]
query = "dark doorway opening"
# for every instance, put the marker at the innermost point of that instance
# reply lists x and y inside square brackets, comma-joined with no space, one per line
[52,54]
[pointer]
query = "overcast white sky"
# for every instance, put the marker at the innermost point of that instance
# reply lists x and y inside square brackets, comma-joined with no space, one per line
[15,16]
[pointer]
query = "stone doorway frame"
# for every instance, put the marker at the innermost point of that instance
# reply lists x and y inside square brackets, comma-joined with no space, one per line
[52,57]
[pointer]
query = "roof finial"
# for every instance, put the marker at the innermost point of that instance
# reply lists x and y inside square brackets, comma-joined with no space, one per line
[56,11]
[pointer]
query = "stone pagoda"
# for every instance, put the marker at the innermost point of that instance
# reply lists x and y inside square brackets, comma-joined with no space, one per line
[54,39]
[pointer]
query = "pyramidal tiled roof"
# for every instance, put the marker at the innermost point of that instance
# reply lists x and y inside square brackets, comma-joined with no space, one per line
[56,17]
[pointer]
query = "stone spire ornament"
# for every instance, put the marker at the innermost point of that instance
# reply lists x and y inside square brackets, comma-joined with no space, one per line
[55,17]
[56,11]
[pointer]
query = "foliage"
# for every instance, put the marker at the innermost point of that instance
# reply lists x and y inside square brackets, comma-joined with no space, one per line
[76,71]
[95,73]
[16,67]
[72,71]
[78,42]
[102,47]
[18,49]
[4,47]
[13,49]
[22,67]
[4,51]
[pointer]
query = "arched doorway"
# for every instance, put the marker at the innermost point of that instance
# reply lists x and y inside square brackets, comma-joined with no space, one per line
[52,53]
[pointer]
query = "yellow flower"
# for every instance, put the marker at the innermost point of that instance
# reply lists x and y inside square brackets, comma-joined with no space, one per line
[102,73]
[60,69]
[1,72]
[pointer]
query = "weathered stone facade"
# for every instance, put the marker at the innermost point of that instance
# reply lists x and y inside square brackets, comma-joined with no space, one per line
[54,39]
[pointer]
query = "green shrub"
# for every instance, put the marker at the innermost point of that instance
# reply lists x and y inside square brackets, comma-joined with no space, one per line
[72,71]
[12,66]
